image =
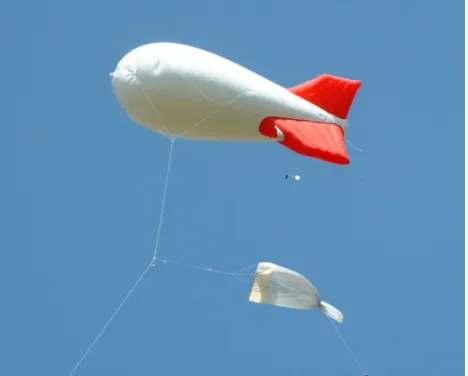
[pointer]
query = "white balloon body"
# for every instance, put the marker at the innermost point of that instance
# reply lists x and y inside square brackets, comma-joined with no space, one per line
[180,90]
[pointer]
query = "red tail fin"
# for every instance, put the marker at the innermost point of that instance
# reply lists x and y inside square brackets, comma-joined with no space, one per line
[310,138]
[331,93]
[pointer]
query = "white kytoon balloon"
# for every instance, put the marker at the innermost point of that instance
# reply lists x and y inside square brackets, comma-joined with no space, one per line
[184,91]
[276,285]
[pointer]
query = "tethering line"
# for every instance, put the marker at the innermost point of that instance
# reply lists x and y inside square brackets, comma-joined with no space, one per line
[354,146]
[161,216]
[347,346]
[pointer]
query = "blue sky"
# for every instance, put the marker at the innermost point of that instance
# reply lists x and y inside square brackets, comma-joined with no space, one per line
[382,238]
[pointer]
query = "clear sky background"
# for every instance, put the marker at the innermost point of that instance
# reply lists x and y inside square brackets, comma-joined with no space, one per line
[382,238]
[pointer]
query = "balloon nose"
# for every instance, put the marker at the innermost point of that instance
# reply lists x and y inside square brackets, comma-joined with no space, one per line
[139,73]
[141,67]
[126,71]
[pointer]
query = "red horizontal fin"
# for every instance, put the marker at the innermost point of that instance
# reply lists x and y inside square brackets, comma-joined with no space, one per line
[331,93]
[314,139]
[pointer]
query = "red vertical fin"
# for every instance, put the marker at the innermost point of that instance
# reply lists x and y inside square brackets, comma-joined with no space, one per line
[331,93]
